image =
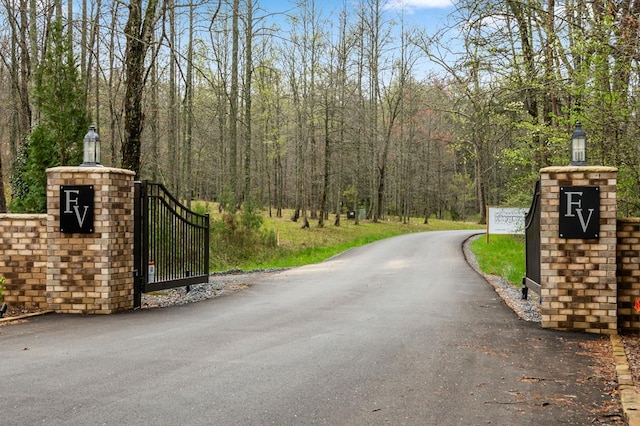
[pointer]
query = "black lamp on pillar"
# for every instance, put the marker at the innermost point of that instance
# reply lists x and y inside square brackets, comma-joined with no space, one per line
[91,149]
[578,146]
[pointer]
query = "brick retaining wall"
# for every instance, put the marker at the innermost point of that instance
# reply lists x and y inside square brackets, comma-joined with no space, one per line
[23,259]
[628,251]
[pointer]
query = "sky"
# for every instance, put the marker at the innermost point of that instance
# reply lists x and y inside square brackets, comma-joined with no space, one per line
[430,13]
[420,5]
[425,15]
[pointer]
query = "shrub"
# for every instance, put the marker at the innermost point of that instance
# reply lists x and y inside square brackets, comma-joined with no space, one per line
[238,237]
[57,139]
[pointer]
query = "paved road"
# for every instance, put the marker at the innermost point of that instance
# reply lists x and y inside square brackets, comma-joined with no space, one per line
[399,332]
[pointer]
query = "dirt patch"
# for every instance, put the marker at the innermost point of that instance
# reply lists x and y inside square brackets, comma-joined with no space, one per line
[632,349]
[18,313]
[236,287]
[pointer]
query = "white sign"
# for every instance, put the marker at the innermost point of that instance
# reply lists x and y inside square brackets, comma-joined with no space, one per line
[506,220]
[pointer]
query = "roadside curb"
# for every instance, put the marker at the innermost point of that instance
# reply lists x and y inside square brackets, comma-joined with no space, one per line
[33,314]
[629,397]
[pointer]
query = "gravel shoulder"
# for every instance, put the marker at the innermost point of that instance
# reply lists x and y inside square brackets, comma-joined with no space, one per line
[220,284]
[528,310]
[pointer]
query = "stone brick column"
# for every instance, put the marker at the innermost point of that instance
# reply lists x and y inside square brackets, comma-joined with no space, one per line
[91,273]
[578,276]
[628,274]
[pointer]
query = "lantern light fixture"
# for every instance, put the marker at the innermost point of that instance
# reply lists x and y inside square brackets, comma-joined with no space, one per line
[91,149]
[578,146]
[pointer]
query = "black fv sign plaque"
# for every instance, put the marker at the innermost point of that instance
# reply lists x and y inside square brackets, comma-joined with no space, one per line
[579,212]
[76,209]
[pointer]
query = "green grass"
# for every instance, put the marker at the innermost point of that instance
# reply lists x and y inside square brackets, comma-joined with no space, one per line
[503,256]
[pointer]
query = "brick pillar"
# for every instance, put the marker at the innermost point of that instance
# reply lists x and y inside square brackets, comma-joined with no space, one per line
[628,274]
[578,275]
[91,273]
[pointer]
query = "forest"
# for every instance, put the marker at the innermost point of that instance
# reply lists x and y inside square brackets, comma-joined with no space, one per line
[322,107]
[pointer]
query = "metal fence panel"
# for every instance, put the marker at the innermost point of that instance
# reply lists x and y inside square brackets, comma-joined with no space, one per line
[172,241]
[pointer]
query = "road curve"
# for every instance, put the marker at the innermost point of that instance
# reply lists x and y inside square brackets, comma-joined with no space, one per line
[399,332]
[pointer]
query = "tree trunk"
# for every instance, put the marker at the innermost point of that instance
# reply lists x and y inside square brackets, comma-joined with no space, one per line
[25,74]
[233,107]
[173,165]
[188,116]
[138,35]
[115,114]
[327,162]
[3,200]
[248,76]
[154,118]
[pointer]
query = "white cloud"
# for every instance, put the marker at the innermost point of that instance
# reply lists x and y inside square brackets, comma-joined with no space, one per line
[410,5]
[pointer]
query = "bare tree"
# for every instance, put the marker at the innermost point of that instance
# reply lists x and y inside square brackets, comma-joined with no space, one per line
[138,33]
[247,95]
[233,104]
[187,171]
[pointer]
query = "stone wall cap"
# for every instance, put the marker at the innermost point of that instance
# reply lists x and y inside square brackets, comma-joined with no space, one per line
[629,219]
[569,169]
[24,216]
[80,169]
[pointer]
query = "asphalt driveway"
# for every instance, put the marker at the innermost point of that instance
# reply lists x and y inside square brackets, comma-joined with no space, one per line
[399,332]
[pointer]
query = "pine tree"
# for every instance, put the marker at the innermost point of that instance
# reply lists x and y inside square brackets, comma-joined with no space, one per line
[57,139]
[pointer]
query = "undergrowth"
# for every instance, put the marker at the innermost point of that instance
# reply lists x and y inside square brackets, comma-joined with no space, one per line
[239,238]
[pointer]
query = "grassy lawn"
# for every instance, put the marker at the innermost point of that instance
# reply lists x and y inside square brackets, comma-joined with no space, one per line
[503,256]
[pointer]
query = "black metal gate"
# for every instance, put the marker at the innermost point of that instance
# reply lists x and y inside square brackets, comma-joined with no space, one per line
[532,245]
[171,246]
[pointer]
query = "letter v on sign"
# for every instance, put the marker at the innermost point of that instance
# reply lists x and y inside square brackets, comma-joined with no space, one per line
[584,224]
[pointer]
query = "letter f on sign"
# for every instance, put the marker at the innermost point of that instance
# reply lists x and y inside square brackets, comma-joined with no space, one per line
[69,200]
[571,202]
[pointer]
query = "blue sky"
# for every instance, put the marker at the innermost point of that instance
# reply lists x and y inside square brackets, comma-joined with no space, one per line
[428,13]
[429,16]
[418,6]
